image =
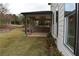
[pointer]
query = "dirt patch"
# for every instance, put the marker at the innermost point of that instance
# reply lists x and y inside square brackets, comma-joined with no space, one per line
[5,28]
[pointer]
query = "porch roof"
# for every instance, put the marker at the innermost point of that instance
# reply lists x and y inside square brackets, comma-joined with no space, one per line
[37,13]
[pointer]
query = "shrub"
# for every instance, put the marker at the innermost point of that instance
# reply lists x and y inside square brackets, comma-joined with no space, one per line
[52,46]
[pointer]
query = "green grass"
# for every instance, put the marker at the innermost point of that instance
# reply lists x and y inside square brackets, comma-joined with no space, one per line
[16,43]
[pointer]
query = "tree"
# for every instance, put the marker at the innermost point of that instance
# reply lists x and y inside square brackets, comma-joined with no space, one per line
[3,12]
[3,9]
[20,18]
[17,19]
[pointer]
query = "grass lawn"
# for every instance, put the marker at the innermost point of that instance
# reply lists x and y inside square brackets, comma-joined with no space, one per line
[16,43]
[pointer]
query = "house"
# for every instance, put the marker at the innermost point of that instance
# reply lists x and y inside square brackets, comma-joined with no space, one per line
[37,23]
[63,23]
[65,27]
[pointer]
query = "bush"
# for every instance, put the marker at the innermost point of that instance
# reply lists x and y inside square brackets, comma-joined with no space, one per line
[51,40]
[52,46]
[57,53]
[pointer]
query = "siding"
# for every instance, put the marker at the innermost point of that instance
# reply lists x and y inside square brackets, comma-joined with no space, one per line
[61,26]
[54,26]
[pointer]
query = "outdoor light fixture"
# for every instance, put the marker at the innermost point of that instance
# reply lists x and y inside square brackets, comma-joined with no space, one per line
[49,3]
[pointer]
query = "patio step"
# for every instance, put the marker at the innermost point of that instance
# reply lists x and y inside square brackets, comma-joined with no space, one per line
[37,35]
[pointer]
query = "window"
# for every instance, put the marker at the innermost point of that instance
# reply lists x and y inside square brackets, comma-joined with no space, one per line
[71,35]
[70,28]
[57,21]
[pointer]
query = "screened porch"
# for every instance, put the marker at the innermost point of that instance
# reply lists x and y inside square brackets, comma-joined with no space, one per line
[37,23]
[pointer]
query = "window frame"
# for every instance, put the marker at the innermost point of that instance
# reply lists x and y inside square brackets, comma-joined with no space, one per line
[57,21]
[66,32]
[77,31]
[66,29]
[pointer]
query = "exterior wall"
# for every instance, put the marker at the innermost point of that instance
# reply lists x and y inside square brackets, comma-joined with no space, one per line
[61,27]
[54,26]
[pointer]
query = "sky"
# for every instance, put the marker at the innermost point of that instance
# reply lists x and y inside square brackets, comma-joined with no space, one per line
[69,6]
[19,6]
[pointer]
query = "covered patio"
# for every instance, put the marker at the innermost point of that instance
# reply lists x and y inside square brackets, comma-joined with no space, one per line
[37,23]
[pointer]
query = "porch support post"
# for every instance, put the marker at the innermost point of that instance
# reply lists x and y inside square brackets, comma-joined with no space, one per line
[30,25]
[25,24]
